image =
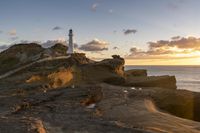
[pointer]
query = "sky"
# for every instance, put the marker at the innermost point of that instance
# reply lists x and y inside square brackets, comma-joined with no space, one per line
[144,32]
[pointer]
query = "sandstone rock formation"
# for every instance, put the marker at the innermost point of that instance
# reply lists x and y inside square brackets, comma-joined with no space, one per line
[78,95]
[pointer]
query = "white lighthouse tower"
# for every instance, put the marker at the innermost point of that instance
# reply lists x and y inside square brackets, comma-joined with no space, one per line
[71,45]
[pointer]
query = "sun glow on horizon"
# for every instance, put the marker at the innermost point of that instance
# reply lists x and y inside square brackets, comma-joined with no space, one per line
[181,61]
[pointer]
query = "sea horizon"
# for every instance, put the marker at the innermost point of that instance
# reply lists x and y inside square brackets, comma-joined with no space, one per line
[164,65]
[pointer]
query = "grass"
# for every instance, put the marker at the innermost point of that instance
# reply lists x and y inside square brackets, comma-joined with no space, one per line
[8,64]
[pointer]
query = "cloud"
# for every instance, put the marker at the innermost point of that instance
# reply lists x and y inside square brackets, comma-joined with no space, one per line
[95,45]
[115,48]
[1,31]
[129,31]
[46,44]
[175,37]
[172,6]
[14,38]
[4,47]
[111,11]
[50,43]
[135,50]
[12,32]
[57,28]
[175,5]
[177,47]
[24,41]
[76,46]
[94,6]
[114,31]
[27,41]
[181,43]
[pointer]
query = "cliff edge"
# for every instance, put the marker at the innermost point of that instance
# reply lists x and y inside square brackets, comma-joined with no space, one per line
[57,93]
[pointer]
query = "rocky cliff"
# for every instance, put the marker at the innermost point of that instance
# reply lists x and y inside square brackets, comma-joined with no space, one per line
[56,93]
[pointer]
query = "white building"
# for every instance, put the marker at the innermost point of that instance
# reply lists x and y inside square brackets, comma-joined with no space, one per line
[71,45]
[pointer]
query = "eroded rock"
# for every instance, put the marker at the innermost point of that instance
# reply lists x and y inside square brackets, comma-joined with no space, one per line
[136,73]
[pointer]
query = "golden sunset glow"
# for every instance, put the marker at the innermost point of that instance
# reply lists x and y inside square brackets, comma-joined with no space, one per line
[176,51]
[187,61]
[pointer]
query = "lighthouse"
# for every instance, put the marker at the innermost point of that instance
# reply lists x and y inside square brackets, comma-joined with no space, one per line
[71,45]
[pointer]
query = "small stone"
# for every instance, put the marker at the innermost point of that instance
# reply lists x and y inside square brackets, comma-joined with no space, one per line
[125,91]
[91,106]
[133,88]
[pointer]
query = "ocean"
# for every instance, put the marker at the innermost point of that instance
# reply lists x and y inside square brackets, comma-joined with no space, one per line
[188,77]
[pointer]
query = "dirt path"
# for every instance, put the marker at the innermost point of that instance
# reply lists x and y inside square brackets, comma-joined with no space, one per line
[28,65]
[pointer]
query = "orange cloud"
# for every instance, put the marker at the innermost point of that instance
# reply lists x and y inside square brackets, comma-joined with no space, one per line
[176,48]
